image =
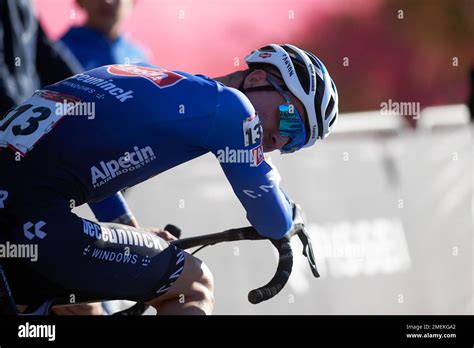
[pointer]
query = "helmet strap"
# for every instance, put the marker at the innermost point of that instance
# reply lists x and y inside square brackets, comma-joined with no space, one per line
[258,88]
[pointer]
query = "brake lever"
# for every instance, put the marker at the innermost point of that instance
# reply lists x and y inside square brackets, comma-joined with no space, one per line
[308,250]
[300,230]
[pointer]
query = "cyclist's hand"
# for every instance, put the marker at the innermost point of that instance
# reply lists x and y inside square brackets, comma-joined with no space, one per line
[297,221]
[162,233]
[80,309]
[129,220]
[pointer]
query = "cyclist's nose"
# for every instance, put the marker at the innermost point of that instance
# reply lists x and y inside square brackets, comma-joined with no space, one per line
[279,140]
[274,141]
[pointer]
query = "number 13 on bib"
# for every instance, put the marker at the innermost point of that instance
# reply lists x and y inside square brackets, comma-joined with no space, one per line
[22,127]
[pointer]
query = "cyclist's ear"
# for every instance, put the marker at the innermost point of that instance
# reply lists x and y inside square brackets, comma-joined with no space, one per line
[256,78]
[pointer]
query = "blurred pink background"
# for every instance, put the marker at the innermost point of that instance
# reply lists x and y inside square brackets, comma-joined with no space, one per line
[408,59]
[212,32]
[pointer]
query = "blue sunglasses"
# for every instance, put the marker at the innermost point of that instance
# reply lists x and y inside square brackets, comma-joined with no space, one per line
[291,122]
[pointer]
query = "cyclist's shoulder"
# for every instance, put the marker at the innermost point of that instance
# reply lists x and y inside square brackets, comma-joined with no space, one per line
[236,124]
[233,104]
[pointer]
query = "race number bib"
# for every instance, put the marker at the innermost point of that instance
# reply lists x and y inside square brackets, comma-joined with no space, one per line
[24,126]
[252,129]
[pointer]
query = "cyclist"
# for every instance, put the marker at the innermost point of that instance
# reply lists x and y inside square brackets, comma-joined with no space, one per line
[146,121]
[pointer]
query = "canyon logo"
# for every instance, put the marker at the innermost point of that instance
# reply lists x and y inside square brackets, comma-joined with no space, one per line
[129,162]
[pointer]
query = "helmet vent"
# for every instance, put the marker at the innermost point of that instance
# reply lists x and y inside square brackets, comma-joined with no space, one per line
[318,98]
[267,49]
[300,68]
[329,108]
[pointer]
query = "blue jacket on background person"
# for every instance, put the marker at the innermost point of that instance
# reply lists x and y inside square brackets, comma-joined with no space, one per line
[100,40]
[94,49]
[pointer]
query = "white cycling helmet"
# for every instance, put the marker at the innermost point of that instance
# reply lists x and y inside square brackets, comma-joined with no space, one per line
[307,78]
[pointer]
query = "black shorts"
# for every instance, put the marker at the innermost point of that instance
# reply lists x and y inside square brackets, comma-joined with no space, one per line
[59,254]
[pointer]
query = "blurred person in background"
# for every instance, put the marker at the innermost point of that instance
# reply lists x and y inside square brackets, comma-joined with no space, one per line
[28,59]
[100,40]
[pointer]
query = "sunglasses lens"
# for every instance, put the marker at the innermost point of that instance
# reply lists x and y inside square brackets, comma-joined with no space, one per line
[291,126]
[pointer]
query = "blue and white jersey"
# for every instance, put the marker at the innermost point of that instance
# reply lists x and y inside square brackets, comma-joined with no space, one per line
[115,126]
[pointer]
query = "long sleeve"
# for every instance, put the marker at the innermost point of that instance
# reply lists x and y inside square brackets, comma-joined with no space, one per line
[111,208]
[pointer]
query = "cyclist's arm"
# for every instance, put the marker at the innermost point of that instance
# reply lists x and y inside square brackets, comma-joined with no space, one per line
[268,208]
[113,209]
